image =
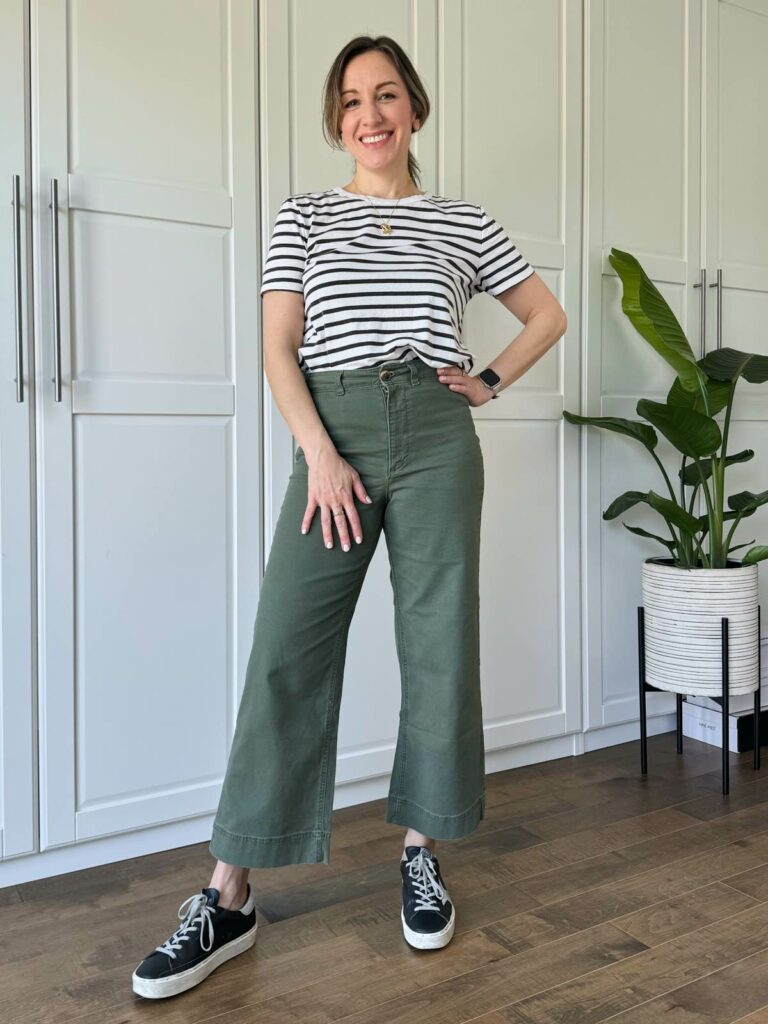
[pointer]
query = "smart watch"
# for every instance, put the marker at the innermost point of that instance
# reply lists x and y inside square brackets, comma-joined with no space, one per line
[491,379]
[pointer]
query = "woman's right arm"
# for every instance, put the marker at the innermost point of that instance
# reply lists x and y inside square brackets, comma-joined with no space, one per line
[283,330]
[333,482]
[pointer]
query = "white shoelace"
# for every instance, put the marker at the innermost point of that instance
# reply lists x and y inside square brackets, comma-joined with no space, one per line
[422,871]
[199,912]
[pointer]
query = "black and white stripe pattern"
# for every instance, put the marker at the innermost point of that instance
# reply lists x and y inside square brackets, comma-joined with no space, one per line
[369,297]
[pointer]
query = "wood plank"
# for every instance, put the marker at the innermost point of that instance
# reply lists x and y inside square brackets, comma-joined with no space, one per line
[581,869]
[651,973]
[754,882]
[758,1017]
[614,900]
[683,914]
[555,884]
[722,997]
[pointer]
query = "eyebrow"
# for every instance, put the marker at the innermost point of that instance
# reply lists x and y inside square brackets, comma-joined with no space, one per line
[378,87]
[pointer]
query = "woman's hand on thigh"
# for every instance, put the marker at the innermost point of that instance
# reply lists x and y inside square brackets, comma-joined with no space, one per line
[333,484]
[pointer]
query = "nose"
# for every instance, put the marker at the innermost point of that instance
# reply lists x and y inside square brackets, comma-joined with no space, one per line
[369,113]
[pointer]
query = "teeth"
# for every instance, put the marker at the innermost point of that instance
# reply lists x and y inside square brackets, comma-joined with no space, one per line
[375,138]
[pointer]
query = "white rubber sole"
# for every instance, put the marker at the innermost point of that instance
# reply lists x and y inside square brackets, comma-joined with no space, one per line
[176,983]
[429,940]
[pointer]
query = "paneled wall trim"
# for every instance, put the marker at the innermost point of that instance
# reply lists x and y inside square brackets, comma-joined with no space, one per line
[672,114]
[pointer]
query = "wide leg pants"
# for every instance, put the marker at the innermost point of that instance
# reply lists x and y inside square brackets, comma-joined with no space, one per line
[414,444]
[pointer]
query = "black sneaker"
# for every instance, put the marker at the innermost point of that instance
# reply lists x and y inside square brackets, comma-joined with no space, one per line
[207,937]
[428,915]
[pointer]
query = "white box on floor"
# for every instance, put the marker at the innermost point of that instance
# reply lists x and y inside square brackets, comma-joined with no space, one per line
[706,724]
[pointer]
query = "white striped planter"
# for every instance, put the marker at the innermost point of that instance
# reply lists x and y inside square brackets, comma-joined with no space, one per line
[683,645]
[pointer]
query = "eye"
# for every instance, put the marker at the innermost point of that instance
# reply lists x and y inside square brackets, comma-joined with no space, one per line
[350,102]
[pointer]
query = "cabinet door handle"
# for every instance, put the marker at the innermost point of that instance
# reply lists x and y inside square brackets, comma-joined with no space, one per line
[703,310]
[719,285]
[16,203]
[53,206]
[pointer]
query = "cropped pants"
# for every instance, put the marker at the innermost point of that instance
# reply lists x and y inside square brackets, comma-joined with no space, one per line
[414,444]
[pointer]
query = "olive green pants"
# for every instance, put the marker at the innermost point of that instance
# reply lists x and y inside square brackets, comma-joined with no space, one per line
[414,444]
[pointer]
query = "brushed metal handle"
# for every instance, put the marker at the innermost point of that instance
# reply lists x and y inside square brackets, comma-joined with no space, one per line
[53,206]
[719,285]
[703,310]
[16,203]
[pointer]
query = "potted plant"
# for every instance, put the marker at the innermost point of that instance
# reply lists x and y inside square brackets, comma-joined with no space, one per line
[686,593]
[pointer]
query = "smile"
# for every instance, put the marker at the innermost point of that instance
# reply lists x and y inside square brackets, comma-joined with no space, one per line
[374,141]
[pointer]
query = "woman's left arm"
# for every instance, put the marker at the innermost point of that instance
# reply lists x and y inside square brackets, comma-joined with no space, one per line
[545,323]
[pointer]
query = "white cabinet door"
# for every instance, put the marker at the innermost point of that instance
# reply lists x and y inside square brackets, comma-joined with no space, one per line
[676,151]
[148,515]
[512,142]
[17,409]
[736,235]
[644,160]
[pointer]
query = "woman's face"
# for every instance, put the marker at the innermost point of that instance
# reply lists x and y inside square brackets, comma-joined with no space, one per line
[374,101]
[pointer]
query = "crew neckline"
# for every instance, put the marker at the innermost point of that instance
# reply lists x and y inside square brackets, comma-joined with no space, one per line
[380,200]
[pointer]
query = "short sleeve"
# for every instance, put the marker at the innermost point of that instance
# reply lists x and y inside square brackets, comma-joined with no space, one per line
[287,253]
[501,264]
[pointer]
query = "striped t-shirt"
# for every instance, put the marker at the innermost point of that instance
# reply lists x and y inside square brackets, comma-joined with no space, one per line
[369,297]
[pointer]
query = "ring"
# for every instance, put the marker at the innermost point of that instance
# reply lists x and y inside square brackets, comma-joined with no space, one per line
[340,513]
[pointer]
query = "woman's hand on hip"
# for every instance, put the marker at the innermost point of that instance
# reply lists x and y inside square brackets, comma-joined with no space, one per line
[333,484]
[457,379]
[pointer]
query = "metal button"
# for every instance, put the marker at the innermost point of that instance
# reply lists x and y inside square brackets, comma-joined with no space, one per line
[385,375]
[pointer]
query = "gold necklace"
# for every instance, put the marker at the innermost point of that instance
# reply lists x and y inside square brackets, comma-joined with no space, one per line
[385,225]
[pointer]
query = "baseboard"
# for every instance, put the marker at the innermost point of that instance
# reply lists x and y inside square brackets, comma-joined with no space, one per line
[611,735]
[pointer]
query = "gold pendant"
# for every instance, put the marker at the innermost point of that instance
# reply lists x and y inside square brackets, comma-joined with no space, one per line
[386,229]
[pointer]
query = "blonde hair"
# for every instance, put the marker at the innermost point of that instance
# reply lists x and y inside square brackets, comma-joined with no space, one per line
[332,105]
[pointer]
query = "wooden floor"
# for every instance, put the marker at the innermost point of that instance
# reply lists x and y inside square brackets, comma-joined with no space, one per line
[587,894]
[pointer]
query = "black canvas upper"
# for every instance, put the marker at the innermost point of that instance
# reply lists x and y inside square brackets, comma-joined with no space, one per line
[205,928]
[426,904]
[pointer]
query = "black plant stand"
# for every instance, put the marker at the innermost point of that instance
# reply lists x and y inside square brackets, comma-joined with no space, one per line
[645,687]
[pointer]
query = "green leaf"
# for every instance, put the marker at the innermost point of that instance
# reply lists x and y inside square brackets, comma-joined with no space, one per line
[746,501]
[644,533]
[691,476]
[729,363]
[672,512]
[690,432]
[651,315]
[737,547]
[755,555]
[718,393]
[703,520]
[631,428]
[623,502]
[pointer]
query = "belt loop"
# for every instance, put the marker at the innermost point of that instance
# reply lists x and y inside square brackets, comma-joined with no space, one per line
[340,382]
[414,372]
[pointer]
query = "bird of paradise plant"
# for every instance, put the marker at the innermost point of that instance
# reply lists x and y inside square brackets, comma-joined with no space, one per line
[702,389]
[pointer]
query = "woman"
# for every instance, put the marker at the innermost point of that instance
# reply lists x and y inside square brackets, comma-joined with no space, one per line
[365,287]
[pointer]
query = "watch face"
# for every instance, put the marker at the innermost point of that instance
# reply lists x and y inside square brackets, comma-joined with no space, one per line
[490,377]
